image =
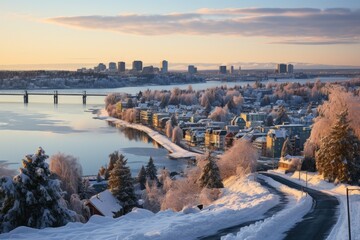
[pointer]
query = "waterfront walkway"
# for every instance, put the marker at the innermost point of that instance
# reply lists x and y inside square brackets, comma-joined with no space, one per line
[175,150]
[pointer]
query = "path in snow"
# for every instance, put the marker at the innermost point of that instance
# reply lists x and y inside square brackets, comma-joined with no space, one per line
[283,200]
[317,223]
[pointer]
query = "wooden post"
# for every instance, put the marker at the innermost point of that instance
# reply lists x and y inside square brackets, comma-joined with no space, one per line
[56,97]
[26,97]
[84,97]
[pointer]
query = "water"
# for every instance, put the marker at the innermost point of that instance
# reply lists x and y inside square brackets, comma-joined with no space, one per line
[69,127]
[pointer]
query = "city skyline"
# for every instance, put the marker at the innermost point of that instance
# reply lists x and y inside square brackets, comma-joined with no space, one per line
[254,35]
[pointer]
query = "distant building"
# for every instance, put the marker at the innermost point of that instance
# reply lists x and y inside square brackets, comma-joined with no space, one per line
[281,68]
[164,66]
[232,70]
[148,70]
[137,65]
[192,69]
[112,67]
[121,66]
[100,67]
[290,68]
[239,69]
[222,69]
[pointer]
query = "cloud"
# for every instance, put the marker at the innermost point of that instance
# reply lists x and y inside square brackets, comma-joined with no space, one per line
[307,26]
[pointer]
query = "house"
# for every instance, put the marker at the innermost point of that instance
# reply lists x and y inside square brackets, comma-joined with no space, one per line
[253,119]
[290,163]
[260,144]
[156,119]
[219,138]
[274,142]
[104,204]
[146,117]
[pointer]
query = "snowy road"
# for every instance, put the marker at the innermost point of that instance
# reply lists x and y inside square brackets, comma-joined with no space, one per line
[283,200]
[317,223]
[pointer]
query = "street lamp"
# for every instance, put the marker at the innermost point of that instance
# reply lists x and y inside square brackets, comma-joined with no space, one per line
[348,207]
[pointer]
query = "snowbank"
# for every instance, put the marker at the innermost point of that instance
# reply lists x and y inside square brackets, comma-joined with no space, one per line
[175,150]
[275,226]
[242,200]
[315,181]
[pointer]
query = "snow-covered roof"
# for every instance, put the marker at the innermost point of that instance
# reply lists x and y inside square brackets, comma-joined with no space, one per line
[278,133]
[106,203]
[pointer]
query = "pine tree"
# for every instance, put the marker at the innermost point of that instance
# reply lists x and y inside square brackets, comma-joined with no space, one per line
[121,185]
[338,157]
[210,175]
[32,198]
[151,171]
[142,178]
[287,148]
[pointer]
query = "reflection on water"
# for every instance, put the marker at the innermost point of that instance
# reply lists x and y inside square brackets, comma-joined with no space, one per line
[71,129]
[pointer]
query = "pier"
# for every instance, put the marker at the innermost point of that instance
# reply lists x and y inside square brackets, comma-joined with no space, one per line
[55,95]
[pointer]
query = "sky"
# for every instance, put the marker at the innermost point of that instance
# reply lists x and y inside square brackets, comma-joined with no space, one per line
[40,34]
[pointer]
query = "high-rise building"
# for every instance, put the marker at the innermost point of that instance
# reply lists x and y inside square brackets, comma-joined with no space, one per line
[137,65]
[112,67]
[290,68]
[281,68]
[164,66]
[232,70]
[121,66]
[222,69]
[192,69]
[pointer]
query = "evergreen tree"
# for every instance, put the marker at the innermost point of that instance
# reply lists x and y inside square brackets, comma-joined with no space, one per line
[121,185]
[32,198]
[338,157]
[287,148]
[142,178]
[210,175]
[151,171]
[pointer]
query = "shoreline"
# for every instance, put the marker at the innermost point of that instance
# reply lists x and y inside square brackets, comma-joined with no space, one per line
[176,152]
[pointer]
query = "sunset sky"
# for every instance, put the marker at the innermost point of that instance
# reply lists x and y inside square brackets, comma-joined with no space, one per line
[254,34]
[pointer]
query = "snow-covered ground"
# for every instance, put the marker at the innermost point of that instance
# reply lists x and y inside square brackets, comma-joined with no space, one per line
[241,200]
[175,150]
[275,226]
[340,231]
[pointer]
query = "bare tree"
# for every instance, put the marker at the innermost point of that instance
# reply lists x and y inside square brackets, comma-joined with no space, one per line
[69,171]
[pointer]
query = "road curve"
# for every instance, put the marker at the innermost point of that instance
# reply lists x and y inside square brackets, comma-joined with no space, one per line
[283,201]
[319,221]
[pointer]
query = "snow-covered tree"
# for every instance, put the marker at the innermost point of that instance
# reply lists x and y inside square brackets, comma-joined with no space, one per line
[32,198]
[168,129]
[240,159]
[121,184]
[68,169]
[142,178]
[177,135]
[210,175]
[338,99]
[287,148]
[338,157]
[219,114]
[151,171]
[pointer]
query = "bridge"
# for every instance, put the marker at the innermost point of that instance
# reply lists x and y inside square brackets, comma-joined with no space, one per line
[55,94]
